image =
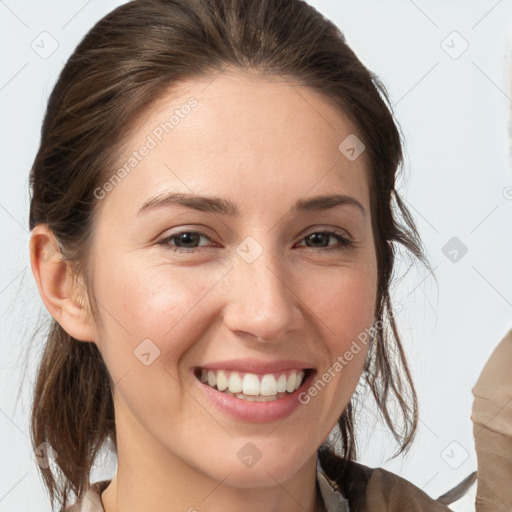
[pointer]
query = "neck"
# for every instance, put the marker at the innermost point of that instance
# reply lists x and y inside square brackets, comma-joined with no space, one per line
[133,492]
[153,479]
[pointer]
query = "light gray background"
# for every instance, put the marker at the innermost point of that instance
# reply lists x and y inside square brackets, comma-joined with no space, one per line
[453,108]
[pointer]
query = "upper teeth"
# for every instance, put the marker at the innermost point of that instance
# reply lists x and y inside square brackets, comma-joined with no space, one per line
[250,383]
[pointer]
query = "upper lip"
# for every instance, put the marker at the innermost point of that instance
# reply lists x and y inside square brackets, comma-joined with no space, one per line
[251,365]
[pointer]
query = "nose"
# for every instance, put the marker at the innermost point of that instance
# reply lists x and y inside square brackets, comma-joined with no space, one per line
[261,300]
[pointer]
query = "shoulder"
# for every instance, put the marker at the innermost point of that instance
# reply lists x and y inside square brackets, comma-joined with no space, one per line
[376,489]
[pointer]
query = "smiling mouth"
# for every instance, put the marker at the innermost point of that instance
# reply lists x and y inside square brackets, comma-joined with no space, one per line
[254,387]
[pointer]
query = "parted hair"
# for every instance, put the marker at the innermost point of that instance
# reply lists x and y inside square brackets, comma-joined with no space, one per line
[125,62]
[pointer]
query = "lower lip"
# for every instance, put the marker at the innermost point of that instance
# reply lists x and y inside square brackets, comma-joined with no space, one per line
[255,412]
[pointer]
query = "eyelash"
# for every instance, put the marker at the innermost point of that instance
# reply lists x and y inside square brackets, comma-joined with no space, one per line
[344,243]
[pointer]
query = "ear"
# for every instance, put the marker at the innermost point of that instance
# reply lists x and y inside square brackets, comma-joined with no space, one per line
[68,305]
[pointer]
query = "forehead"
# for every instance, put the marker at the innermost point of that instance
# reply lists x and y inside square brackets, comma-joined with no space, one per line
[239,133]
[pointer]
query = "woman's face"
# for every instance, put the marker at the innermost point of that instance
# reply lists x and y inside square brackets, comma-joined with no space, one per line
[253,285]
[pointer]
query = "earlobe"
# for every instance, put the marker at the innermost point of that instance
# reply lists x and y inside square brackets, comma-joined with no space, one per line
[67,304]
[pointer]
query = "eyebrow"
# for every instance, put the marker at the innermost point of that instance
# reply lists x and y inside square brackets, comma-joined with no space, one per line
[226,207]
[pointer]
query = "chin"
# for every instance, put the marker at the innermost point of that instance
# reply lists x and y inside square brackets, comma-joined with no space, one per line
[269,470]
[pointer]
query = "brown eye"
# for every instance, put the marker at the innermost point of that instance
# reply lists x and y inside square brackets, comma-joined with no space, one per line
[186,241]
[320,239]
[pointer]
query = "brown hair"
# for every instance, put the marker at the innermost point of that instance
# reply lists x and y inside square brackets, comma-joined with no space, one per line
[125,62]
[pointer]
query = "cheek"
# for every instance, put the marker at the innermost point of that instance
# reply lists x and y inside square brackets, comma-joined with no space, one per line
[343,304]
[149,307]
[343,301]
[151,317]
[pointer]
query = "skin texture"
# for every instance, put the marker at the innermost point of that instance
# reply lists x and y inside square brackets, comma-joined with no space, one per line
[262,143]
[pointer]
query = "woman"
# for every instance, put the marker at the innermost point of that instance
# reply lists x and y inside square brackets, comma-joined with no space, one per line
[193,155]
